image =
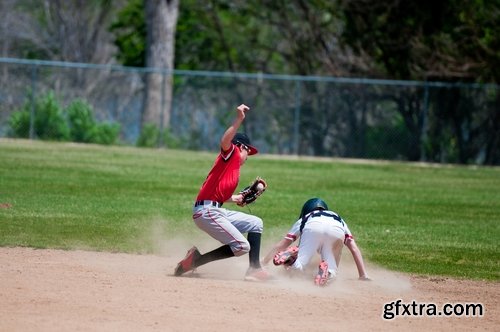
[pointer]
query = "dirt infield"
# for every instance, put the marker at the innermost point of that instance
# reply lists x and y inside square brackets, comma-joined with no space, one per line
[54,290]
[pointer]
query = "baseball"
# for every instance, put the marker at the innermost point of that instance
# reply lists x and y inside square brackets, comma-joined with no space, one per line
[260,187]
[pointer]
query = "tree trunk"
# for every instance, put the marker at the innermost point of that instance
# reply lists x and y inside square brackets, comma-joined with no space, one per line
[161,20]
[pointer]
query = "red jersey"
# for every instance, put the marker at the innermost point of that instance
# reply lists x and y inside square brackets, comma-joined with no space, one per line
[223,178]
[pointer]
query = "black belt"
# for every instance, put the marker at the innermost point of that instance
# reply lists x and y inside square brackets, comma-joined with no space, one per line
[204,202]
[317,214]
[322,213]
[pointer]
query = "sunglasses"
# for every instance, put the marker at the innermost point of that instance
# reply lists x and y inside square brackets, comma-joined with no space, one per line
[245,147]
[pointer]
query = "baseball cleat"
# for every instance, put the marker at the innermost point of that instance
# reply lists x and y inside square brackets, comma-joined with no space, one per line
[323,274]
[258,275]
[286,257]
[187,264]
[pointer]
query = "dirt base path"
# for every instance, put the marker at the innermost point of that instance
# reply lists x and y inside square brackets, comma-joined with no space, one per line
[54,290]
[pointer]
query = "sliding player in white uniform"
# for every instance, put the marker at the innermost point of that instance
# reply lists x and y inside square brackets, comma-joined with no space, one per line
[320,230]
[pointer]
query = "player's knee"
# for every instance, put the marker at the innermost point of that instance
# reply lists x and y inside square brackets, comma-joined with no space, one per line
[241,248]
[258,225]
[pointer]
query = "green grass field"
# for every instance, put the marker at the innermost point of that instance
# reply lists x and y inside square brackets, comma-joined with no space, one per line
[436,220]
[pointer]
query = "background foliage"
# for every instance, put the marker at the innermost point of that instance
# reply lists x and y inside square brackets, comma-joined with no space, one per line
[452,41]
[75,123]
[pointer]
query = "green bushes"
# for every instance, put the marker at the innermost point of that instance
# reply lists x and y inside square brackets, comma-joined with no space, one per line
[19,124]
[81,120]
[51,122]
[151,137]
[85,129]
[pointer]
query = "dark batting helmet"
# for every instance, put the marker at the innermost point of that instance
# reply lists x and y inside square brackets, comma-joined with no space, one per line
[312,205]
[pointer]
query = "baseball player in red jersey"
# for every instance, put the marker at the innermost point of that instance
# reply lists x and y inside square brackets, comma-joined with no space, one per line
[222,224]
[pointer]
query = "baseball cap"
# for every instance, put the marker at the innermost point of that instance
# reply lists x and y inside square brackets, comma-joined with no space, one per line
[241,138]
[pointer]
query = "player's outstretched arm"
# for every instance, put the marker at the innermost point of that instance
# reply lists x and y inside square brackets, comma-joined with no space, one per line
[225,142]
[277,247]
[358,258]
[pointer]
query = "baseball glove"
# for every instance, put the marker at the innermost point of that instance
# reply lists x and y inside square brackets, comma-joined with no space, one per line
[253,191]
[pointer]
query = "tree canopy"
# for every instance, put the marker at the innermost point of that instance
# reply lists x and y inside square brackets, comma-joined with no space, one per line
[449,40]
[453,41]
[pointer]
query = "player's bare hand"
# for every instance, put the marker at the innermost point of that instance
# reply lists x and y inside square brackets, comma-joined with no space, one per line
[242,109]
[238,199]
